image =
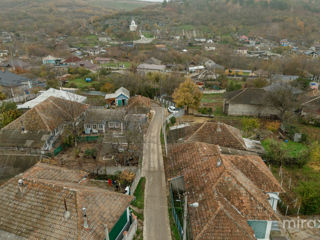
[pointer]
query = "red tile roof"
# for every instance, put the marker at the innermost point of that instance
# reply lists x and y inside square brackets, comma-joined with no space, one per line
[256,170]
[220,134]
[218,187]
[37,210]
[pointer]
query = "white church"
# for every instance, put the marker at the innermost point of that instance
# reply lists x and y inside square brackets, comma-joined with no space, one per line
[133,26]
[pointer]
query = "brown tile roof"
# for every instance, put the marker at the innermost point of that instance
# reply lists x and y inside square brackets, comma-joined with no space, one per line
[37,210]
[48,115]
[54,173]
[197,163]
[224,222]
[256,170]
[182,133]
[12,138]
[219,134]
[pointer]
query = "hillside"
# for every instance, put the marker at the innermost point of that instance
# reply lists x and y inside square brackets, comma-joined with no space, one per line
[274,19]
[58,16]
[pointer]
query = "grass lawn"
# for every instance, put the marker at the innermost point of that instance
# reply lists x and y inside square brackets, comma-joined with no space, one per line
[312,132]
[292,148]
[212,98]
[139,194]
[80,83]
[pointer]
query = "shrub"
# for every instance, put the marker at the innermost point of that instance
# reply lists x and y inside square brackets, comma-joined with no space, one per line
[272,126]
[173,120]
[310,197]
[91,153]
[232,86]
[289,154]
[250,124]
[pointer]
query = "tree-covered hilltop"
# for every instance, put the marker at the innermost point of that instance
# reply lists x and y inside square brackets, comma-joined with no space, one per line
[274,19]
[58,16]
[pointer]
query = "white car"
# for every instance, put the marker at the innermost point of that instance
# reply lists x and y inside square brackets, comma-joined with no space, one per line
[172,109]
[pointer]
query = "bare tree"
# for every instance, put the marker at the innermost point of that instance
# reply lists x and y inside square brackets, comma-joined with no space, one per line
[283,97]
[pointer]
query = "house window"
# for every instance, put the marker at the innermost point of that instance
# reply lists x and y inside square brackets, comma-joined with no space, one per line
[88,126]
[94,126]
[111,124]
[117,125]
[100,126]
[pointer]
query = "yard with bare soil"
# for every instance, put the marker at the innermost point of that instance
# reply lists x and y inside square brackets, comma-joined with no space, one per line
[83,157]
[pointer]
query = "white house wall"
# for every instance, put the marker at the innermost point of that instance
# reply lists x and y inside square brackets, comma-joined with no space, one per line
[251,110]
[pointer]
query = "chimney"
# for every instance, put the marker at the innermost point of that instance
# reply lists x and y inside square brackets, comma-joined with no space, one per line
[219,162]
[218,127]
[66,213]
[85,220]
[21,185]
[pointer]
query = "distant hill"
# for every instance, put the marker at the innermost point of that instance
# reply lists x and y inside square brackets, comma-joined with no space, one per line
[275,19]
[58,15]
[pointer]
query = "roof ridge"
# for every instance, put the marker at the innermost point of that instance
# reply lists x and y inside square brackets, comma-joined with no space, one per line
[235,222]
[196,131]
[235,177]
[232,133]
[61,109]
[243,90]
[255,163]
[309,101]
[42,119]
[207,224]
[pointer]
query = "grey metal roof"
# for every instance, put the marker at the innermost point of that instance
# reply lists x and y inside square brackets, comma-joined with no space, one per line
[104,115]
[9,79]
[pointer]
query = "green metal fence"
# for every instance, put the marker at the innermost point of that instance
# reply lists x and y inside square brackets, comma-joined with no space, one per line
[119,226]
[175,215]
[57,150]
[88,139]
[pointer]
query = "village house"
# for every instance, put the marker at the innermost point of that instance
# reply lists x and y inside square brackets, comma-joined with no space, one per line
[119,98]
[52,92]
[87,64]
[51,60]
[227,137]
[103,120]
[239,72]
[310,110]
[14,83]
[145,68]
[49,202]
[211,65]
[194,69]
[248,102]
[100,120]
[102,60]
[71,61]
[228,196]
[51,117]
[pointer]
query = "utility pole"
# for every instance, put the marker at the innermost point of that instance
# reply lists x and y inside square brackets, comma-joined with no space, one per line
[185,214]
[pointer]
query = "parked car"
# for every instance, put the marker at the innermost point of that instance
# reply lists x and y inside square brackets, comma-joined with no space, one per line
[173,109]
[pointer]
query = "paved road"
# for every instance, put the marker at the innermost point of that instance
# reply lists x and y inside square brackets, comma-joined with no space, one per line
[156,218]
